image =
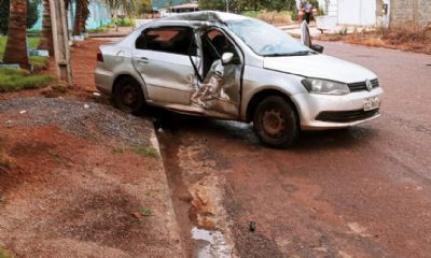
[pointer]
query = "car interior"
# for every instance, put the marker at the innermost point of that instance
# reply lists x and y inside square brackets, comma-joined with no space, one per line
[215,44]
[171,40]
[178,40]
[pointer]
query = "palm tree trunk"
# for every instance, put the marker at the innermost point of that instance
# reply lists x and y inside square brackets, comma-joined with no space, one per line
[46,41]
[78,18]
[85,15]
[16,47]
[81,15]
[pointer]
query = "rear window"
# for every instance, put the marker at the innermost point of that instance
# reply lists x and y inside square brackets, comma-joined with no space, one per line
[176,40]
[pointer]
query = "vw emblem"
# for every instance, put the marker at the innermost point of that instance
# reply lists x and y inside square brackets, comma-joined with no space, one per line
[369,85]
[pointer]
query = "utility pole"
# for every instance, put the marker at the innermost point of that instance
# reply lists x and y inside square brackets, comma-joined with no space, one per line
[60,35]
[227,6]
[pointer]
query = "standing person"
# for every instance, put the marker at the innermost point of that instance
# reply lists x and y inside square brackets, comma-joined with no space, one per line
[308,10]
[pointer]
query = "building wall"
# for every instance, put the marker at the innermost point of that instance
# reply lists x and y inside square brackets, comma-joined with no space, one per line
[99,16]
[357,13]
[410,12]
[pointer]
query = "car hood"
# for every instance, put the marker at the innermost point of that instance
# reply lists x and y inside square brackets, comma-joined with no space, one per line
[319,66]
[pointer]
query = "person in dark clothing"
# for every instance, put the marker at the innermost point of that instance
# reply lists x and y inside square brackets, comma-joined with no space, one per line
[308,11]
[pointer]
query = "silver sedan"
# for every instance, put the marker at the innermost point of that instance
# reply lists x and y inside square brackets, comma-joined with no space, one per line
[232,67]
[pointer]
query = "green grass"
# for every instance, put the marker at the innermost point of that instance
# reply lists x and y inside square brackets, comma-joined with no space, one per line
[252,14]
[124,22]
[4,253]
[146,151]
[146,212]
[15,79]
[38,62]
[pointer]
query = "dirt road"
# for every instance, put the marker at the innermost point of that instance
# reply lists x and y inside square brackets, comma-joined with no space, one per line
[362,192]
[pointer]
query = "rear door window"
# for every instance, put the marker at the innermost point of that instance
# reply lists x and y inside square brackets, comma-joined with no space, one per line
[175,40]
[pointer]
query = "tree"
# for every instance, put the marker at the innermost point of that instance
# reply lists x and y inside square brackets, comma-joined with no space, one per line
[16,46]
[46,40]
[126,6]
[81,15]
[144,6]
[32,14]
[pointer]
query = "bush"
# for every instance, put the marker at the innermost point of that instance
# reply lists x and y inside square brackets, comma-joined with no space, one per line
[124,22]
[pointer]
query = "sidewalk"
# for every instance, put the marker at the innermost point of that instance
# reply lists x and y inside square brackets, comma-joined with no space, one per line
[80,179]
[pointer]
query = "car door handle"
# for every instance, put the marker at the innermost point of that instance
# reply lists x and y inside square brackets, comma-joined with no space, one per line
[144,60]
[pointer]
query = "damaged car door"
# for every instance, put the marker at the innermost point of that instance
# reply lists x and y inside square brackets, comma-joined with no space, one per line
[219,89]
[162,57]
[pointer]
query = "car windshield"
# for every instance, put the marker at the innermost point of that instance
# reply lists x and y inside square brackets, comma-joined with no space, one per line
[266,40]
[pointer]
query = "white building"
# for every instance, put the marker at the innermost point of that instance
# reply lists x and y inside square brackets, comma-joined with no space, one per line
[361,13]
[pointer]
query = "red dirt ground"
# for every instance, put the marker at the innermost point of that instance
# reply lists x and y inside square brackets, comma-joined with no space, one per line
[64,195]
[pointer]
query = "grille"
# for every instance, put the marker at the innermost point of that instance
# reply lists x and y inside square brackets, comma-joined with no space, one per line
[361,86]
[346,116]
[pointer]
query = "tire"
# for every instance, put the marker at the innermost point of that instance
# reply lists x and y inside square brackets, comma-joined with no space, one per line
[128,96]
[276,123]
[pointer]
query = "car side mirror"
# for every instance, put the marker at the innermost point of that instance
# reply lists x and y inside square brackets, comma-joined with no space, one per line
[227,58]
[317,48]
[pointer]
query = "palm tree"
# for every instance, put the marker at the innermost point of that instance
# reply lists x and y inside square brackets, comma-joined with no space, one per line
[16,47]
[81,15]
[128,6]
[46,40]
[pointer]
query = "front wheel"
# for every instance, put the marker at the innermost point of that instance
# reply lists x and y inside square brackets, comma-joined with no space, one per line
[275,122]
[128,96]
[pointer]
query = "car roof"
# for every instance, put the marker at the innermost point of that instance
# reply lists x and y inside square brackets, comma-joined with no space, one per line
[212,17]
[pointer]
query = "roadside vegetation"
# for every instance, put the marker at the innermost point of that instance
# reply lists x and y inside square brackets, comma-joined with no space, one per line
[409,39]
[17,79]
[273,17]
[4,253]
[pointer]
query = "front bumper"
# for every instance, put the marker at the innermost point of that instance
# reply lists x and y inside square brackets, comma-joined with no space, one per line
[318,112]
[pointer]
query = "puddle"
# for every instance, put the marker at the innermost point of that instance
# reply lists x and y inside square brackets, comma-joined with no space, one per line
[210,244]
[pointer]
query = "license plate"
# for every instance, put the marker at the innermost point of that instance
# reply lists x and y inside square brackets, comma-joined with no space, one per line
[371,104]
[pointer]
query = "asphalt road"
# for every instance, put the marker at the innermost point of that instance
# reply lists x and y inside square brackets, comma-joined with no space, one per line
[361,192]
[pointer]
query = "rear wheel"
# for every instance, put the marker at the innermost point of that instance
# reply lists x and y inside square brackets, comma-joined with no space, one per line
[128,96]
[275,122]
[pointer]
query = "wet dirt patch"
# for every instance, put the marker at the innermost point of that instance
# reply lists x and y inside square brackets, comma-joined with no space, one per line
[197,192]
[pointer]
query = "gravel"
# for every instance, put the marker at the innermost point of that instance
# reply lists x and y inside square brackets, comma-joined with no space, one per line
[84,119]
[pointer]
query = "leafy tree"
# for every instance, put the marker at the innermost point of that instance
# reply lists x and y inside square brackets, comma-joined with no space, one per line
[32,14]
[144,6]
[212,4]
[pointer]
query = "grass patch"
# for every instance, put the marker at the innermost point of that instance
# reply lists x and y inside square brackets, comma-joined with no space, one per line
[16,79]
[38,62]
[272,17]
[4,253]
[145,151]
[124,22]
[140,150]
[146,212]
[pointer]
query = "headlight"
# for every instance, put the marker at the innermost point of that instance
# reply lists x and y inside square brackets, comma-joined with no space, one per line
[323,87]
